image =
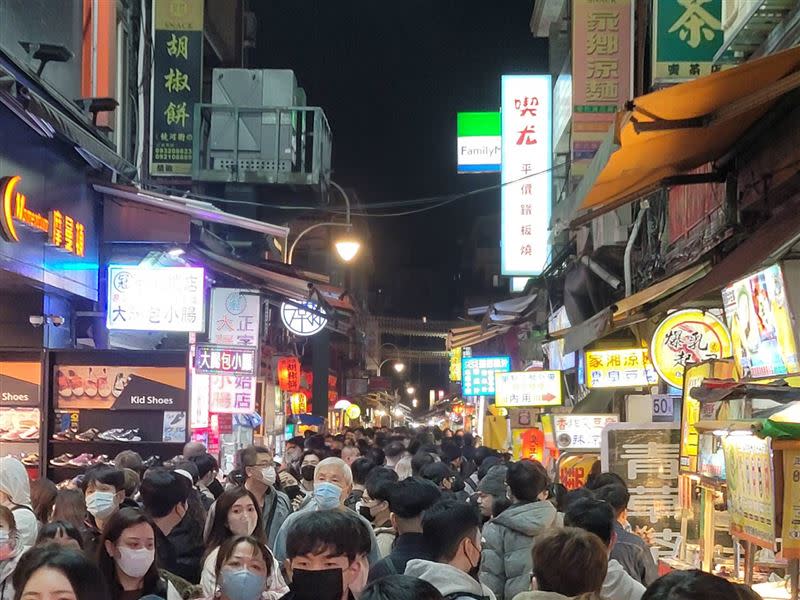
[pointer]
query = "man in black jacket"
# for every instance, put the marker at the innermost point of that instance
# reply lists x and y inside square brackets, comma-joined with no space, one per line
[408,499]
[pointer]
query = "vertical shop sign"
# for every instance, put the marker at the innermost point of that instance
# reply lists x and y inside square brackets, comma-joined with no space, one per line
[791,504]
[176,84]
[235,317]
[526,173]
[686,36]
[647,458]
[602,72]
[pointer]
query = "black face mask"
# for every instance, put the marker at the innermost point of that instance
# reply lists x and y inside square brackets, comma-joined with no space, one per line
[292,491]
[365,512]
[307,472]
[317,585]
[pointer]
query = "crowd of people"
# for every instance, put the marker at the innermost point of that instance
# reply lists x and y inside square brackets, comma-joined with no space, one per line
[366,515]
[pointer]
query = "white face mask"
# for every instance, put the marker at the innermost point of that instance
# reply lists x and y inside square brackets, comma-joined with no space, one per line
[135,563]
[101,504]
[269,475]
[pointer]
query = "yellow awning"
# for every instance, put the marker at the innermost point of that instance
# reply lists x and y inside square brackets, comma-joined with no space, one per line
[671,131]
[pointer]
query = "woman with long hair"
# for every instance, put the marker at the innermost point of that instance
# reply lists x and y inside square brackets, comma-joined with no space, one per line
[70,506]
[126,554]
[43,498]
[237,514]
[56,572]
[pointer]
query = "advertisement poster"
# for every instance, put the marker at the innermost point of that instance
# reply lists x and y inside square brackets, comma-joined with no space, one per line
[791,504]
[119,388]
[235,317]
[619,368]
[581,432]
[687,337]
[761,325]
[751,489]
[20,383]
[176,84]
[174,426]
[528,388]
[602,72]
[646,456]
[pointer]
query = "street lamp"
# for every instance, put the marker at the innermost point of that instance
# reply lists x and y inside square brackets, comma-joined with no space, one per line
[347,246]
[410,390]
[399,367]
[415,403]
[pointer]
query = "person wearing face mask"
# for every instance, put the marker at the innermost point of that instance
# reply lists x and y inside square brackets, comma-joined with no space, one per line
[126,555]
[207,470]
[374,507]
[10,552]
[237,514]
[243,570]
[509,538]
[261,476]
[452,531]
[301,491]
[326,556]
[361,468]
[104,490]
[333,481]
[179,540]
[15,494]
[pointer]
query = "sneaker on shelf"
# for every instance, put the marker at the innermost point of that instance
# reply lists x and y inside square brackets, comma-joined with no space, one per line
[152,461]
[119,385]
[82,460]
[30,460]
[10,436]
[110,434]
[63,460]
[64,389]
[102,459]
[68,435]
[31,433]
[129,435]
[75,383]
[89,435]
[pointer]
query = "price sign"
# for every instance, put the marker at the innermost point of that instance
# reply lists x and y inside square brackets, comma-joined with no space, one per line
[663,406]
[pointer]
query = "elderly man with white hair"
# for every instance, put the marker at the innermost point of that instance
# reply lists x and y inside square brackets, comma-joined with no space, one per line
[333,482]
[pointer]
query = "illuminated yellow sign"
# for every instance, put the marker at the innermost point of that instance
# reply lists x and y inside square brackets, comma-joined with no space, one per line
[455,364]
[630,367]
[63,231]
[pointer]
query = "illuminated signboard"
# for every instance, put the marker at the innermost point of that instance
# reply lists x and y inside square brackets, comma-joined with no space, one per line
[155,298]
[455,364]
[213,359]
[528,388]
[235,317]
[526,174]
[477,374]
[63,231]
[303,318]
[289,374]
[231,394]
[581,432]
[687,337]
[478,142]
[619,368]
[761,325]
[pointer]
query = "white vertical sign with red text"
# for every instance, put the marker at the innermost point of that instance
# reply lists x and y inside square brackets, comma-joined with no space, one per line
[526,173]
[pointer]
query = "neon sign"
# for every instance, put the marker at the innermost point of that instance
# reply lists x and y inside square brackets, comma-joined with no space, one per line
[63,231]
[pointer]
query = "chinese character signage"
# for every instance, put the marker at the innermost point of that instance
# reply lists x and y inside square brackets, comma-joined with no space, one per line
[686,337]
[478,372]
[455,364]
[235,317]
[155,298]
[289,374]
[646,457]
[303,318]
[686,36]
[581,432]
[176,84]
[231,394]
[478,142]
[602,72]
[526,173]
[528,388]
[63,231]
[619,368]
[761,325]
[212,359]
[791,504]
[751,489]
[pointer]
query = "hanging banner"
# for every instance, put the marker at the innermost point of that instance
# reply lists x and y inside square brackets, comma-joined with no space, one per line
[235,317]
[526,173]
[685,337]
[791,504]
[751,489]
[686,36]
[602,72]
[646,457]
[176,85]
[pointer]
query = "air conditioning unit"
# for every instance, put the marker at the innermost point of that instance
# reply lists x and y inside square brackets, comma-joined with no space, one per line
[264,144]
[612,228]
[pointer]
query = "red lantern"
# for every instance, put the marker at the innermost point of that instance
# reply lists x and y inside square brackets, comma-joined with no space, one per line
[289,374]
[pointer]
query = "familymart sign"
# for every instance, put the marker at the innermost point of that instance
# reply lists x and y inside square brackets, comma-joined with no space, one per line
[479,142]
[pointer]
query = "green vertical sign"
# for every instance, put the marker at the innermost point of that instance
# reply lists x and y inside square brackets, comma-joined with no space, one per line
[687,34]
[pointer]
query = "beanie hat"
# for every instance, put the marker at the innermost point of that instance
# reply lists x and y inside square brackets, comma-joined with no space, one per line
[494,483]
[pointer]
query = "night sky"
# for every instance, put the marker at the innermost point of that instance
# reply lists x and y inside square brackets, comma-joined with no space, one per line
[391,77]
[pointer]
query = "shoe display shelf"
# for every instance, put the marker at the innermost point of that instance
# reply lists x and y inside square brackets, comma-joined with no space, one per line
[21,408]
[104,402]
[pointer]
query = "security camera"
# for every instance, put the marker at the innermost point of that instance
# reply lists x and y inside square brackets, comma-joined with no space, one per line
[36,320]
[56,320]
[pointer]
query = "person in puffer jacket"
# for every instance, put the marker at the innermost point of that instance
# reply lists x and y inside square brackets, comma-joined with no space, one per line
[508,539]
